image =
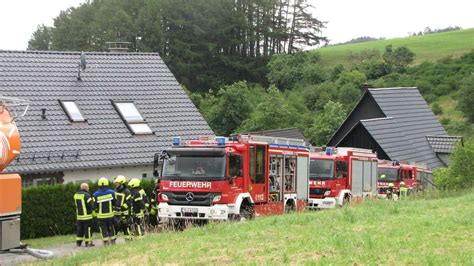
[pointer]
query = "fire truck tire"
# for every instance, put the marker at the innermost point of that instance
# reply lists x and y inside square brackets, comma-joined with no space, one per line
[177,225]
[346,200]
[290,206]
[247,212]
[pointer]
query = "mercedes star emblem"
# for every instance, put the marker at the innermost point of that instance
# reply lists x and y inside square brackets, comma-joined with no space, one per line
[189,196]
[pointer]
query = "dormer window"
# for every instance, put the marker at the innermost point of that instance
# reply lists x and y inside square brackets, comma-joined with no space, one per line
[132,118]
[72,111]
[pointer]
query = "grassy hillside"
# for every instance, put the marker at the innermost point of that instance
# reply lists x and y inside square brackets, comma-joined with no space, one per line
[423,231]
[427,47]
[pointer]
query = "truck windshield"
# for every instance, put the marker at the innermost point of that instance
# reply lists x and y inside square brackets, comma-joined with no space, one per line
[388,174]
[321,169]
[194,167]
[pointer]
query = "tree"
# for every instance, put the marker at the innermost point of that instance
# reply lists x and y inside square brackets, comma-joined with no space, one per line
[41,39]
[230,110]
[326,123]
[466,98]
[206,43]
[397,60]
[272,113]
[285,70]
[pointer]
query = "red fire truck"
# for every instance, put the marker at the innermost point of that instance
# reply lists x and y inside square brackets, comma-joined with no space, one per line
[339,175]
[416,176]
[233,179]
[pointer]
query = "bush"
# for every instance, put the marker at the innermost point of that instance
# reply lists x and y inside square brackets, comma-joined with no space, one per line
[437,110]
[460,173]
[50,210]
[466,98]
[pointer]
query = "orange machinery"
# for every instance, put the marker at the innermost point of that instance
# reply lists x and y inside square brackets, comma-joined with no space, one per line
[10,184]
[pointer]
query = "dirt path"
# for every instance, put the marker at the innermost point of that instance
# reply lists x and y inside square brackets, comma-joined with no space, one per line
[8,259]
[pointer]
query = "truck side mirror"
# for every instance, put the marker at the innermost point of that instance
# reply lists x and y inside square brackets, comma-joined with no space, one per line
[155,164]
[232,180]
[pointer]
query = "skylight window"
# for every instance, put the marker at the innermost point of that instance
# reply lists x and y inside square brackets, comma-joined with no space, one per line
[140,128]
[132,118]
[72,111]
[129,112]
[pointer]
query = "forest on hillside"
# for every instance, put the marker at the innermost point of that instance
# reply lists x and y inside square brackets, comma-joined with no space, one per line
[243,65]
[206,43]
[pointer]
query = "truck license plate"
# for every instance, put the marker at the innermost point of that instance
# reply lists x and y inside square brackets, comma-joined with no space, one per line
[189,210]
[327,202]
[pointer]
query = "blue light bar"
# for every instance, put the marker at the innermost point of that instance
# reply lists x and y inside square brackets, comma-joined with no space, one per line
[329,150]
[176,141]
[220,141]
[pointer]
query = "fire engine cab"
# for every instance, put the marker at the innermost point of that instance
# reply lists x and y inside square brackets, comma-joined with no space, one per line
[233,178]
[338,175]
[415,176]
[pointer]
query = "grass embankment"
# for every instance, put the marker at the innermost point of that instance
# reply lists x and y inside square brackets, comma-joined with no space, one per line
[429,47]
[420,231]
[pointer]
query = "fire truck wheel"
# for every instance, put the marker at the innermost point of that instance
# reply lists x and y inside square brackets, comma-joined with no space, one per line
[247,212]
[177,225]
[346,200]
[289,206]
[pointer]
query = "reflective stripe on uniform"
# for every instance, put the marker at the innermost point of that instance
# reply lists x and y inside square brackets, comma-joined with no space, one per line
[105,206]
[81,208]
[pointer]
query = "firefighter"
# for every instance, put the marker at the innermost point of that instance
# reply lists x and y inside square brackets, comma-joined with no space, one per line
[382,177]
[138,207]
[153,218]
[84,208]
[403,190]
[122,208]
[390,191]
[146,200]
[105,199]
[144,195]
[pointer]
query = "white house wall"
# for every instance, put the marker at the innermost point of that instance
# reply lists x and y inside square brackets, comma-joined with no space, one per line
[86,175]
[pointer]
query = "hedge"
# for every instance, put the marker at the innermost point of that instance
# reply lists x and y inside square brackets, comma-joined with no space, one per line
[50,210]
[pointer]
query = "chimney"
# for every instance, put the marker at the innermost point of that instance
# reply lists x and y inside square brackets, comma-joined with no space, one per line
[43,113]
[118,47]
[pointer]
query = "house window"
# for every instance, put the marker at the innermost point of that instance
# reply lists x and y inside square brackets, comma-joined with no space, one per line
[72,111]
[129,112]
[132,117]
[140,128]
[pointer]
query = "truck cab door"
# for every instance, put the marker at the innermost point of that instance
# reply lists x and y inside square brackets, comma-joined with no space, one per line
[258,172]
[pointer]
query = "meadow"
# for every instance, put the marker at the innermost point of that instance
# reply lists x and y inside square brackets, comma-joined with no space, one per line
[433,229]
[430,47]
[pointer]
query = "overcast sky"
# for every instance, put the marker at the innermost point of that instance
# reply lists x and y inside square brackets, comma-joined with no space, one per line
[347,19]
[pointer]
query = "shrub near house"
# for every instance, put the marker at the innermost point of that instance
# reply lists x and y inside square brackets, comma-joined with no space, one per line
[50,210]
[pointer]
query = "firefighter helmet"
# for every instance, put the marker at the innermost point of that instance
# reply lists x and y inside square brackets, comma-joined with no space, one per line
[402,184]
[390,185]
[103,182]
[120,179]
[135,182]
[382,177]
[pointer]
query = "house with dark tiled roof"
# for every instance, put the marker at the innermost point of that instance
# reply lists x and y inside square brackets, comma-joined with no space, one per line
[398,124]
[106,119]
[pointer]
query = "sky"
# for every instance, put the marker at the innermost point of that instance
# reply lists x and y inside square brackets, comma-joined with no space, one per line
[347,19]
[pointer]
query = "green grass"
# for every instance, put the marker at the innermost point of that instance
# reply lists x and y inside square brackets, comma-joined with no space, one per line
[429,47]
[433,230]
[52,241]
[449,107]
